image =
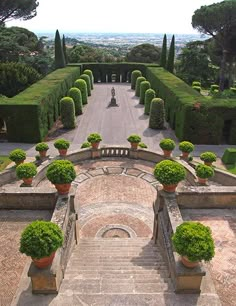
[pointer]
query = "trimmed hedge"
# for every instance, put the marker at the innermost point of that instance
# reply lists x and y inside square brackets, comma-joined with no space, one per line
[82,86]
[145,85]
[149,95]
[134,75]
[75,94]
[157,114]
[137,85]
[86,78]
[90,74]
[67,113]
[229,156]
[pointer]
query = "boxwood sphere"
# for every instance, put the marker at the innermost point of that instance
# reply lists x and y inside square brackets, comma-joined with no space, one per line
[134,75]
[17,155]
[26,170]
[61,172]
[169,172]
[81,84]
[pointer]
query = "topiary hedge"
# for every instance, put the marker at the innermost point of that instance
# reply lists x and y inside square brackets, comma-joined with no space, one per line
[229,156]
[137,85]
[157,114]
[90,74]
[134,75]
[149,96]
[86,78]
[75,94]
[67,113]
[82,86]
[145,85]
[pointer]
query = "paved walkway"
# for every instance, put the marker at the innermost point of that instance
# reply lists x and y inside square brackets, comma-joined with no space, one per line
[115,124]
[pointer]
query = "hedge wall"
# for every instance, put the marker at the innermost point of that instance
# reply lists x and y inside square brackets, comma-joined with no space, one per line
[30,114]
[192,116]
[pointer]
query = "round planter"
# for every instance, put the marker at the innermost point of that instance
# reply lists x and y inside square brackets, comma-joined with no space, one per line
[202,181]
[62,152]
[187,263]
[167,153]
[44,262]
[43,154]
[170,188]
[134,145]
[18,162]
[63,188]
[208,163]
[27,181]
[185,155]
[95,145]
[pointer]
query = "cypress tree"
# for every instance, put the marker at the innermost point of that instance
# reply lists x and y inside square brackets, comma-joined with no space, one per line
[59,55]
[171,56]
[164,52]
[64,49]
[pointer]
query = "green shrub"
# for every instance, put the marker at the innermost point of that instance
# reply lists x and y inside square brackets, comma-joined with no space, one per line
[61,144]
[67,113]
[168,172]
[42,146]
[75,94]
[26,170]
[137,85]
[59,54]
[194,240]
[85,145]
[82,86]
[134,138]
[61,172]
[142,145]
[229,156]
[40,239]
[186,146]
[86,78]
[197,88]
[233,89]
[208,157]
[149,95]
[17,155]
[214,87]
[94,137]
[204,171]
[157,114]
[196,83]
[134,75]
[167,144]
[145,85]
[90,74]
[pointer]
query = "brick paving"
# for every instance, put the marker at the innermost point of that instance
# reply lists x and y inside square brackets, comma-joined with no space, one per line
[12,262]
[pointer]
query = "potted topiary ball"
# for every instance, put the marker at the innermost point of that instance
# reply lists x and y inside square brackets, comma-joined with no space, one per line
[169,173]
[167,145]
[94,139]
[40,240]
[61,173]
[186,147]
[18,156]
[203,172]
[134,141]
[194,242]
[42,148]
[26,172]
[208,158]
[62,145]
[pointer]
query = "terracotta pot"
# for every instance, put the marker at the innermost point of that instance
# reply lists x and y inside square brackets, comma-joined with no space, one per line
[134,145]
[44,262]
[18,162]
[185,155]
[202,181]
[95,145]
[43,154]
[63,188]
[62,152]
[187,263]
[167,153]
[170,188]
[208,163]
[27,181]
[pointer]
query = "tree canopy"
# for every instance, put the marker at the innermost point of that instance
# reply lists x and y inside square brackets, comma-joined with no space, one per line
[144,53]
[17,9]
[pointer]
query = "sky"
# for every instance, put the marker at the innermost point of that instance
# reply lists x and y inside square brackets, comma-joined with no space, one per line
[123,16]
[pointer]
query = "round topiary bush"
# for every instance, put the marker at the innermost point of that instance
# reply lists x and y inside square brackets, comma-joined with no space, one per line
[142,145]
[17,155]
[134,138]
[145,85]
[26,170]
[214,88]
[186,146]
[90,74]
[41,146]
[149,96]
[94,137]
[167,144]
[208,157]
[86,78]
[81,84]
[40,239]
[134,75]
[194,240]
[137,85]
[157,114]
[61,143]
[196,83]
[61,172]
[197,88]
[169,172]
[75,94]
[67,112]
[85,144]
[204,171]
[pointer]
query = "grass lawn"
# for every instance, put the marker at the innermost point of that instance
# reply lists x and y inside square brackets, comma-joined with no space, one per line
[4,161]
[231,168]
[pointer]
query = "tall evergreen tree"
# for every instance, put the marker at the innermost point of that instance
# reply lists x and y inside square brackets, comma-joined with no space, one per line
[59,55]
[64,49]
[171,56]
[164,52]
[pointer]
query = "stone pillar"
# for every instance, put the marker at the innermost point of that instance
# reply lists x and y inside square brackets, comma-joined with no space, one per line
[96,153]
[133,153]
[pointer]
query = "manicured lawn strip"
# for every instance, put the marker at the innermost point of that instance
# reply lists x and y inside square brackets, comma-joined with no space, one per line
[4,161]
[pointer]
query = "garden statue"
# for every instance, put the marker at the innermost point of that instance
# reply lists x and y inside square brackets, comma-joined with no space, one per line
[113,99]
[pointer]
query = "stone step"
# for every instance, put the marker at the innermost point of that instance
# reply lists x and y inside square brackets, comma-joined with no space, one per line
[160,275]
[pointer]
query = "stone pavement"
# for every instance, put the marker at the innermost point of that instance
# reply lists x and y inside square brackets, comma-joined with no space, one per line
[115,124]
